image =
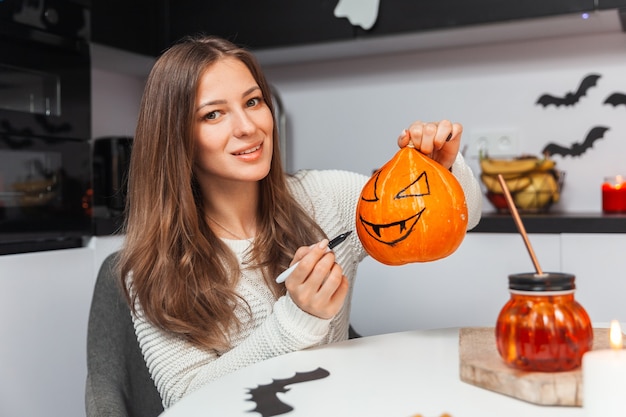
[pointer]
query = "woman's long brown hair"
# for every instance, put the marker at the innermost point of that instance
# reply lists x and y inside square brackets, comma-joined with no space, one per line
[183,275]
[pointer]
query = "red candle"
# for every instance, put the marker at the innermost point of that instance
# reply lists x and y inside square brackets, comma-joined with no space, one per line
[614,194]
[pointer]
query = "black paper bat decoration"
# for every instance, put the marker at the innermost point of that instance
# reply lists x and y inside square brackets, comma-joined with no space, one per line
[576,149]
[268,404]
[570,98]
[616,99]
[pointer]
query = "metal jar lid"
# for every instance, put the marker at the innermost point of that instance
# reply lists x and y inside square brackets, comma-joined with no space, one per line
[548,281]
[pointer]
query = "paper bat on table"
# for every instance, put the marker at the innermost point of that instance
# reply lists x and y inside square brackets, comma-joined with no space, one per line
[570,98]
[268,404]
[616,99]
[576,149]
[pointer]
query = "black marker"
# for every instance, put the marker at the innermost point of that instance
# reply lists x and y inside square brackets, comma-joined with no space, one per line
[339,239]
[331,245]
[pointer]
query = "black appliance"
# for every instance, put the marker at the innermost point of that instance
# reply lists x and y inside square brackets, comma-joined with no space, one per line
[111,160]
[45,125]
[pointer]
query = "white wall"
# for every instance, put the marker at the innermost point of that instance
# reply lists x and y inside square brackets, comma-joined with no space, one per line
[117,82]
[115,103]
[348,113]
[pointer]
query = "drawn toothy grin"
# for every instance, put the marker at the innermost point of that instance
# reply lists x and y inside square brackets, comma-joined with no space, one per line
[256,148]
[391,233]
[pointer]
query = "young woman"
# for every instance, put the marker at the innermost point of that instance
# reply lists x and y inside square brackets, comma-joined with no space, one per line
[212,220]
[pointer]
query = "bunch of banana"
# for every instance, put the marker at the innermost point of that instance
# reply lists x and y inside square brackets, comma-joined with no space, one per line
[533,182]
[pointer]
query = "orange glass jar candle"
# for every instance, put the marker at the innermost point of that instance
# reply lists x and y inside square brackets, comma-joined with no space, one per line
[542,327]
[614,194]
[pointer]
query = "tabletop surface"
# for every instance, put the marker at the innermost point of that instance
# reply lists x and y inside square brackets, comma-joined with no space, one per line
[393,375]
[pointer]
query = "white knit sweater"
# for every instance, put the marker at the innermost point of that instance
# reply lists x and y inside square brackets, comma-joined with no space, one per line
[277,327]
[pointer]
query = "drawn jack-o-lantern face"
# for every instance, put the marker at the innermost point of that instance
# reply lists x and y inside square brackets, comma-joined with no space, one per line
[411,210]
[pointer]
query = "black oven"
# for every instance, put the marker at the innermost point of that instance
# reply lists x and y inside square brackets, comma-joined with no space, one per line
[45,125]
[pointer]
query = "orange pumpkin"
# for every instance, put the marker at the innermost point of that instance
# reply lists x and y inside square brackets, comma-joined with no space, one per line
[411,210]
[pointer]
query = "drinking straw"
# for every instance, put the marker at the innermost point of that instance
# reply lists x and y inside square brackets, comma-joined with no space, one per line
[519,224]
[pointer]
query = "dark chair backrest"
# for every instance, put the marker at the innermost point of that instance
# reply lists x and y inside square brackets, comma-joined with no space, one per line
[118,380]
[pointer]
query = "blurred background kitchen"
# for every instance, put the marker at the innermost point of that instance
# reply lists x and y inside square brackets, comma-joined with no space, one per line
[347,86]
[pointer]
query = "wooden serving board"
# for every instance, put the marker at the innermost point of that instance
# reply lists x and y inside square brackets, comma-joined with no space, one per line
[481,365]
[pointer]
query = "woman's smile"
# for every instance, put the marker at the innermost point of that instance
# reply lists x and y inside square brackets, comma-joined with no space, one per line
[248,151]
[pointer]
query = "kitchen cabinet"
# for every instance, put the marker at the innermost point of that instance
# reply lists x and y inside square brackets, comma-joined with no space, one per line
[139,26]
[599,264]
[147,27]
[397,16]
[469,287]
[611,4]
[287,23]
[45,299]
[260,24]
[44,303]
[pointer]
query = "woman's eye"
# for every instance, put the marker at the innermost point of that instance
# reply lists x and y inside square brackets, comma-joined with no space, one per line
[253,102]
[211,115]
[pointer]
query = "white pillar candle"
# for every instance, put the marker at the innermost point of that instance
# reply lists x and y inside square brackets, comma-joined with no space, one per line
[604,378]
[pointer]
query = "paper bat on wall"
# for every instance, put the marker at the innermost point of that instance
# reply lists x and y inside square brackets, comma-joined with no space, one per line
[268,404]
[570,98]
[576,149]
[616,99]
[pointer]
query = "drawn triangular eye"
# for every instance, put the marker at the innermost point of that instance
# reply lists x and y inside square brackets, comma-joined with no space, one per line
[369,193]
[417,188]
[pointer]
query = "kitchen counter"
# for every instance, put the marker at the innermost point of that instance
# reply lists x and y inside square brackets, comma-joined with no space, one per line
[490,222]
[556,222]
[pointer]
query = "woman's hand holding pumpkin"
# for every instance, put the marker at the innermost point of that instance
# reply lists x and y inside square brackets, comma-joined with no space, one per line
[441,140]
[317,285]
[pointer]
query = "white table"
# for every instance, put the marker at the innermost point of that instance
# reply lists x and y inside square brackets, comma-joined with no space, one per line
[392,375]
